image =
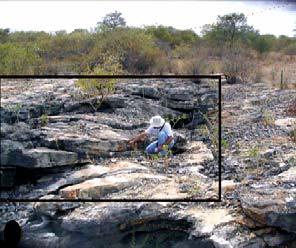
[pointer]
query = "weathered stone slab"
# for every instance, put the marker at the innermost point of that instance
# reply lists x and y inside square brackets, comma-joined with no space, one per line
[207,219]
[179,94]
[13,154]
[273,201]
[197,153]
[10,150]
[99,187]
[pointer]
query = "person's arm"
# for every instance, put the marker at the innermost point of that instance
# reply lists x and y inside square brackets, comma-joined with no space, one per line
[139,137]
[168,140]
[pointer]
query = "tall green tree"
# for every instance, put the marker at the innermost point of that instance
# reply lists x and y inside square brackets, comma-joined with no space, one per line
[228,29]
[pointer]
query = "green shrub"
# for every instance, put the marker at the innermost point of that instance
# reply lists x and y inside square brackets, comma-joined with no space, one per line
[254,153]
[100,88]
[172,36]
[135,49]
[263,43]
[174,120]
[17,59]
[224,144]
[152,49]
[44,119]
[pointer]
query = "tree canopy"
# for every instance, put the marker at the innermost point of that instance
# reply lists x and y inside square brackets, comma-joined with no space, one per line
[111,21]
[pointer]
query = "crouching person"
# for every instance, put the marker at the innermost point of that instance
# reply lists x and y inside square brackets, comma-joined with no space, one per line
[162,130]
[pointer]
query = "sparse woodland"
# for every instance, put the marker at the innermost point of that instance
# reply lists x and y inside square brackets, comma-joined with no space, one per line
[229,45]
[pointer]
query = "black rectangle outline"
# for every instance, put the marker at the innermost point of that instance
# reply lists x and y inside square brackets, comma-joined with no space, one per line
[204,76]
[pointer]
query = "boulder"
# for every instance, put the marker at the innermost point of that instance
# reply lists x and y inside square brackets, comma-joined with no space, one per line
[10,150]
[23,132]
[85,138]
[52,183]
[115,101]
[230,235]
[145,91]
[272,202]
[50,209]
[179,94]
[6,129]
[180,105]
[210,99]
[42,157]
[13,154]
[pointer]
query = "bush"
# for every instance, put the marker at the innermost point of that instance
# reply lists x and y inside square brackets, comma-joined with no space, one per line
[182,51]
[263,43]
[17,59]
[254,152]
[290,49]
[236,67]
[172,36]
[100,88]
[64,53]
[136,50]
[44,120]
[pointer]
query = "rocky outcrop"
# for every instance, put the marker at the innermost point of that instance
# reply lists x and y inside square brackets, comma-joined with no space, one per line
[78,152]
[14,154]
[272,202]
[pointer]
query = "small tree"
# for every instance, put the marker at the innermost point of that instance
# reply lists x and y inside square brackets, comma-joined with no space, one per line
[263,43]
[100,88]
[111,21]
[228,29]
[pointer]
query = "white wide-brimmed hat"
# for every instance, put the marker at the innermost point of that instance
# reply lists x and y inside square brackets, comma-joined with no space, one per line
[157,121]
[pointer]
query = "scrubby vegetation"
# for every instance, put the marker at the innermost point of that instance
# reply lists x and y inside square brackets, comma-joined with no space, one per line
[230,45]
[100,88]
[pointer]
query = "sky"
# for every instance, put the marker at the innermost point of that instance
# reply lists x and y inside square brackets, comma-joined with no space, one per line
[273,17]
